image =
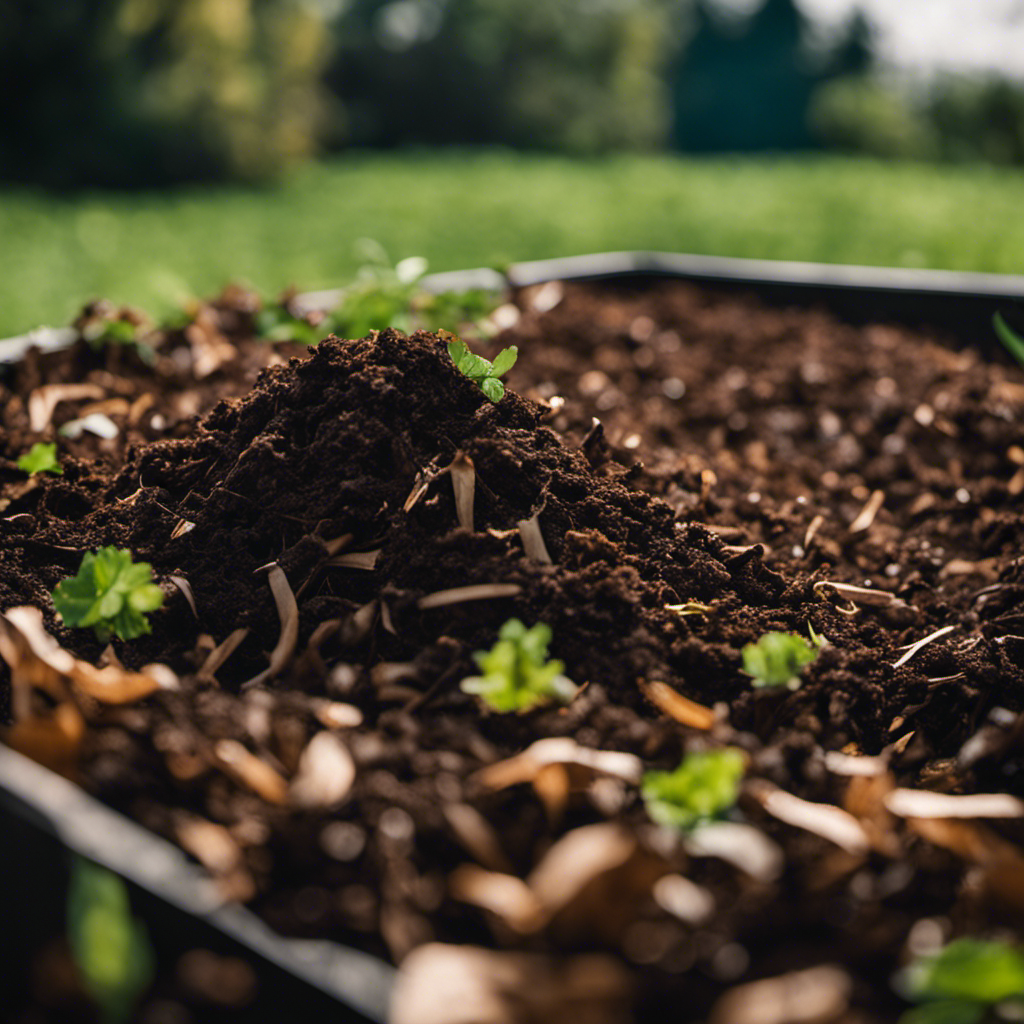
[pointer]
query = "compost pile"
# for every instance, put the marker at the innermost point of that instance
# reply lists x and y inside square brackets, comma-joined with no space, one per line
[671,475]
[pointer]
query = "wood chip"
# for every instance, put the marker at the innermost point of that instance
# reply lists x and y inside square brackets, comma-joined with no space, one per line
[923,803]
[867,514]
[365,560]
[288,613]
[473,592]
[325,774]
[186,588]
[825,820]
[43,402]
[220,654]
[249,770]
[912,649]
[676,706]
[533,540]
[463,484]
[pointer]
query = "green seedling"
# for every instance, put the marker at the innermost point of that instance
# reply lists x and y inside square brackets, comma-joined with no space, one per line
[480,371]
[702,788]
[964,982]
[110,948]
[1012,341]
[110,593]
[516,674]
[41,458]
[777,658]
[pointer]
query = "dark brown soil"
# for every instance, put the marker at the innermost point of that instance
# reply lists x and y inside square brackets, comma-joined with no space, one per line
[677,446]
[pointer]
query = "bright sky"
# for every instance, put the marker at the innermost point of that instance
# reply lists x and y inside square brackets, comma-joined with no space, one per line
[929,35]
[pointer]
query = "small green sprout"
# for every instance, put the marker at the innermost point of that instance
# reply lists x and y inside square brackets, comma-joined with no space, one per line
[961,982]
[110,948]
[515,672]
[1012,341]
[41,458]
[703,787]
[480,371]
[109,593]
[777,658]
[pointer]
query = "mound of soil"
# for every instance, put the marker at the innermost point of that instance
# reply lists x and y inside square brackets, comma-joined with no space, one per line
[674,448]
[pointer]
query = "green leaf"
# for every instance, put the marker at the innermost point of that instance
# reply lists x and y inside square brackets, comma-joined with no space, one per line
[109,593]
[946,1011]
[476,368]
[515,673]
[41,458]
[493,389]
[705,785]
[504,361]
[1011,340]
[971,969]
[777,658]
[110,948]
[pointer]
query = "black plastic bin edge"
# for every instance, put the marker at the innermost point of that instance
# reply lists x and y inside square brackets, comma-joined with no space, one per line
[54,805]
[962,303]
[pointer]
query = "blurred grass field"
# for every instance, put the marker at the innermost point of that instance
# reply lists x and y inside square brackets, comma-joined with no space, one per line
[467,209]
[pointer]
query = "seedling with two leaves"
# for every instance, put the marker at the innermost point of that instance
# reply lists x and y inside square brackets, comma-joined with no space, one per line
[516,674]
[110,593]
[41,458]
[480,371]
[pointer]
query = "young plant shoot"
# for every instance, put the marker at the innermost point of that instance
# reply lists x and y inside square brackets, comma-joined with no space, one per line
[703,787]
[109,946]
[41,458]
[963,981]
[515,673]
[777,658]
[480,371]
[110,593]
[1012,341]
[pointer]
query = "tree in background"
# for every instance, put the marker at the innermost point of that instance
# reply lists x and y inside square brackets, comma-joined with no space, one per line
[145,92]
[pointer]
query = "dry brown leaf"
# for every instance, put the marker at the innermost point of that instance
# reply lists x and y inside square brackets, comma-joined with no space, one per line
[43,401]
[444,984]
[509,898]
[249,770]
[325,774]
[288,613]
[52,740]
[675,705]
[825,820]
[818,995]
[475,834]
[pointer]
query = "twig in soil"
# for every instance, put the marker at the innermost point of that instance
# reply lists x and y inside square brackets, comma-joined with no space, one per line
[463,476]
[676,706]
[220,654]
[858,595]
[472,592]
[186,588]
[533,540]
[249,770]
[288,612]
[867,514]
[365,560]
[912,649]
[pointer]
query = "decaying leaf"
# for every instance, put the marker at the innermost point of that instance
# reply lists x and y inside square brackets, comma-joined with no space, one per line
[818,995]
[249,770]
[325,774]
[675,705]
[463,476]
[825,820]
[445,984]
[288,612]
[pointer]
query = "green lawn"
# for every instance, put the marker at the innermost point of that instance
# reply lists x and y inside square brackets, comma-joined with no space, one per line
[465,209]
